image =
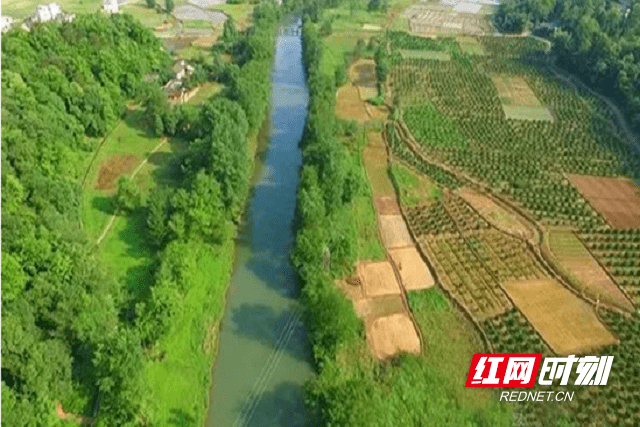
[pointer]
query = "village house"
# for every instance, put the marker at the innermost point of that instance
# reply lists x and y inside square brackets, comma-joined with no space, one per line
[49,12]
[174,89]
[111,6]
[5,23]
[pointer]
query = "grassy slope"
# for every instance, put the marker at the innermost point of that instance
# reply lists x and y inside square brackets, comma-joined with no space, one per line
[20,9]
[179,382]
[414,189]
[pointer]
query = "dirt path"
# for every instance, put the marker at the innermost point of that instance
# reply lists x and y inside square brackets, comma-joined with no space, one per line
[113,217]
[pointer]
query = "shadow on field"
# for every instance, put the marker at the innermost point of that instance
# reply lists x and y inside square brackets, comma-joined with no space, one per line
[180,419]
[103,204]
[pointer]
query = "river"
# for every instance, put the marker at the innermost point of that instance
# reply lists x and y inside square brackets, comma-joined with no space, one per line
[264,357]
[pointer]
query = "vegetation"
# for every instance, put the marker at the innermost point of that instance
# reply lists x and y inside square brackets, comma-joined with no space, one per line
[596,40]
[351,389]
[71,332]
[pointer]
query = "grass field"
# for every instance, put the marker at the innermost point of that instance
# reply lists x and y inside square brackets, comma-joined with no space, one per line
[20,9]
[206,91]
[583,270]
[241,13]
[127,138]
[179,382]
[414,189]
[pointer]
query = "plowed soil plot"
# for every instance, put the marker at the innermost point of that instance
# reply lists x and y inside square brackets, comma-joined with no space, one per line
[387,206]
[413,271]
[518,100]
[392,335]
[574,257]
[376,165]
[616,198]
[111,169]
[568,324]
[394,231]
[495,214]
[348,104]
[378,279]
[206,3]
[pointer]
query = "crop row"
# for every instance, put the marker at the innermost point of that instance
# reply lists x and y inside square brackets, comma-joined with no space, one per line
[619,252]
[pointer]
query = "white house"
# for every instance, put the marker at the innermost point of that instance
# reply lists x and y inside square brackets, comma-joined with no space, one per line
[5,23]
[111,6]
[47,12]
[182,69]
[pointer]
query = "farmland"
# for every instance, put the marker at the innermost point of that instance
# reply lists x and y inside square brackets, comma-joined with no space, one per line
[535,227]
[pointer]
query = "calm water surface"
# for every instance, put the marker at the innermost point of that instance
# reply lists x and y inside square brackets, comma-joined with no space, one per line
[263,357]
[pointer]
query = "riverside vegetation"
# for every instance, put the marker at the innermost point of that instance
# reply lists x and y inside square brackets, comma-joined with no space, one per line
[71,332]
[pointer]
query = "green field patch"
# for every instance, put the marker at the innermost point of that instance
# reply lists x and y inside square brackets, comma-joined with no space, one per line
[414,189]
[471,45]
[178,378]
[20,9]
[523,112]
[151,18]
[425,54]
[431,128]
[206,91]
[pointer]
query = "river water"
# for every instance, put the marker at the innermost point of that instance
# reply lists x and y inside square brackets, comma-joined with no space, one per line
[263,354]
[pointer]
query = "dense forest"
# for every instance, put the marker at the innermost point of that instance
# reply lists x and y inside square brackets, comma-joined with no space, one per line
[597,40]
[70,332]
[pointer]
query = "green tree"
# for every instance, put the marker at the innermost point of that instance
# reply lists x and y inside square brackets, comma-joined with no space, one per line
[151,4]
[169,5]
[128,195]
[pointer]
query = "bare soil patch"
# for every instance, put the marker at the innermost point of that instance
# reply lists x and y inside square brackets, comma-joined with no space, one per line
[568,324]
[618,199]
[393,334]
[348,104]
[376,164]
[495,214]
[206,3]
[378,278]
[394,231]
[571,254]
[432,19]
[111,169]
[363,73]
[413,271]
[387,206]
[351,288]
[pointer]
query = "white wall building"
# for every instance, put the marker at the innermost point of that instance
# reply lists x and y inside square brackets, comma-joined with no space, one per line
[47,12]
[111,6]
[5,23]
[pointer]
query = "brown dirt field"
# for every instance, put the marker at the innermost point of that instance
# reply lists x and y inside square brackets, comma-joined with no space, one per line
[393,334]
[348,104]
[379,112]
[616,198]
[372,308]
[571,254]
[568,324]
[111,169]
[363,73]
[394,231]
[376,164]
[205,41]
[375,139]
[387,206]
[495,214]
[378,278]
[413,271]
[516,90]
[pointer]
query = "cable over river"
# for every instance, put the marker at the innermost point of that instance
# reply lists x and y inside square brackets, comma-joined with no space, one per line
[263,354]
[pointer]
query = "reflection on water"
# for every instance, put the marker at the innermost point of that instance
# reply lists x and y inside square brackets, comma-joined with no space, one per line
[264,358]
